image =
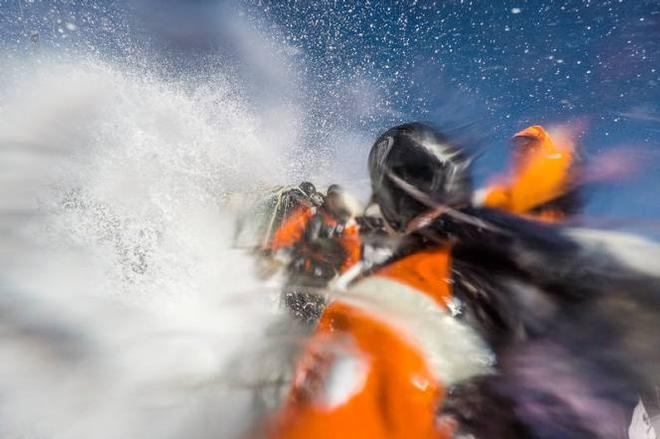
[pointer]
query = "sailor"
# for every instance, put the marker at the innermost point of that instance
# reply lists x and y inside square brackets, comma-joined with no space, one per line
[316,244]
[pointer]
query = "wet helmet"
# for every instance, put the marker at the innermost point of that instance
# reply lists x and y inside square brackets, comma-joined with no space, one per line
[414,167]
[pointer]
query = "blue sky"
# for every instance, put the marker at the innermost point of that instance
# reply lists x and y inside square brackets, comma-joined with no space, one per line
[502,65]
[497,66]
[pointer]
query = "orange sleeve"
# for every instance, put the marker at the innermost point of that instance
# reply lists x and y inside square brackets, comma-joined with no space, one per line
[354,381]
[541,172]
[350,241]
[291,230]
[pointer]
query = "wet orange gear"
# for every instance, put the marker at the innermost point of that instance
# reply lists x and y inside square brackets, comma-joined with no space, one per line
[428,271]
[382,402]
[291,233]
[542,171]
[397,389]
[292,230]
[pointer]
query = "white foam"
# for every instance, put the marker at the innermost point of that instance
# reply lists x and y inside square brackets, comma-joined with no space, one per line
[122,303]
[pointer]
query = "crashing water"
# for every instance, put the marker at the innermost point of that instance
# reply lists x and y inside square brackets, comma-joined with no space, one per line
[124,307]
[125,310]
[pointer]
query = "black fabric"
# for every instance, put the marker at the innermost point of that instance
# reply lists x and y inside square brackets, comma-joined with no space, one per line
[574,330]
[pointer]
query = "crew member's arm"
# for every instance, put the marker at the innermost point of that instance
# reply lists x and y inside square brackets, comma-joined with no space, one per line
[542,172]
[292,230]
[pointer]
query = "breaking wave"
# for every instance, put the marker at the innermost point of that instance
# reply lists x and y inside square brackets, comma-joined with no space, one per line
[124,304]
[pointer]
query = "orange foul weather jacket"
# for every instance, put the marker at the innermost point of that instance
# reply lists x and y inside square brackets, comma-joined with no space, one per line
[291,234]
[382,356]
[542,171]
[385,351]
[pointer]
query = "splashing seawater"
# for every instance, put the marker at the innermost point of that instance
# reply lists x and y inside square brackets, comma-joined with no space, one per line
[122,299]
